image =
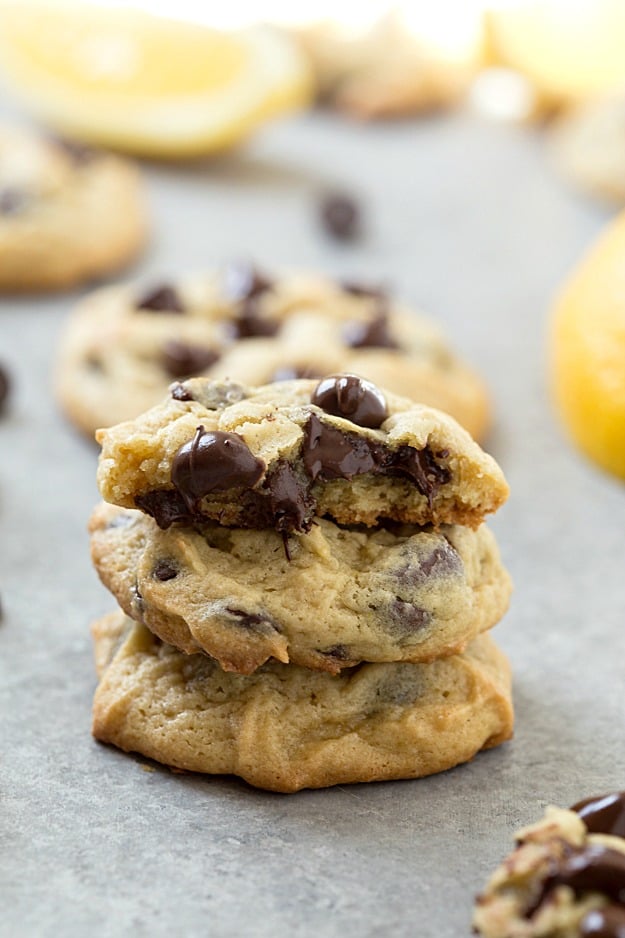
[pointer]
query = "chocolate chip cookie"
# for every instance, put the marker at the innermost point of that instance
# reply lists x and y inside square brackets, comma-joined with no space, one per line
[278,455]
[565,879]
[340,596]
[68,213]
[124,345]
[285,728]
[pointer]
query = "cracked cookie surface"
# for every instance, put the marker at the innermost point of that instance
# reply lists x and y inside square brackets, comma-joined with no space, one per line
[278,455]
[68,213]
[123,345]
[286,728]
[340,597]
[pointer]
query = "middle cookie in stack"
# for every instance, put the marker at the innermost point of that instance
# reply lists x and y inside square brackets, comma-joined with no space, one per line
[327,525]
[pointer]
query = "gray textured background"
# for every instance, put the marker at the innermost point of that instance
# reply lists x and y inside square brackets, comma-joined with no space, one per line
[468,220]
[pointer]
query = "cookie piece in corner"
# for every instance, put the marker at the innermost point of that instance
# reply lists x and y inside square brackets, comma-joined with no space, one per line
[286,728]
[566,877]
[279,455]
[68,213]
[403,594]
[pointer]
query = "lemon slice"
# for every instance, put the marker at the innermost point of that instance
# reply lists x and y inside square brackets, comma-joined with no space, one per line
[152,86]
[587,352]
[570,49]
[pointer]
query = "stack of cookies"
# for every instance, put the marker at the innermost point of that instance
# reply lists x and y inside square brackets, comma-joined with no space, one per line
[305,581]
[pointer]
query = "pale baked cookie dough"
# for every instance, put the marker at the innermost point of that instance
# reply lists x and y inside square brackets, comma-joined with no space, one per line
[587,144]
[67,213]
[341,596]
[278,455]
[286,728]
[123,345]
[566,879]
[383,70]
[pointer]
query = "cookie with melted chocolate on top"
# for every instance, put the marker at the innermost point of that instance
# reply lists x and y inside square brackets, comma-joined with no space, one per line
[341,447]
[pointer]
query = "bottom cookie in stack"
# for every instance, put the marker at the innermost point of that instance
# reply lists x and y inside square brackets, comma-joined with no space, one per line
[286,727]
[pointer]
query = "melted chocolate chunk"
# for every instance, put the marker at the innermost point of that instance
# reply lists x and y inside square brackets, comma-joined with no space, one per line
[353,398]
[166,506]
[213,461]
[591,869]
[329,453]
[604,814]
[372,334]
[420,466]
[165,570]
[340,216]
[182,360]
[242,280]
[292,372]
[407,617]
[162,299]
[180,393]
[5,388]
[12,201]
[608,922]
[252,621]
[290,501]
[444,561]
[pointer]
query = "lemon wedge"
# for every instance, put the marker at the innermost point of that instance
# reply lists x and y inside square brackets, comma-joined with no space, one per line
[570,49]
[157,87]
[587,352]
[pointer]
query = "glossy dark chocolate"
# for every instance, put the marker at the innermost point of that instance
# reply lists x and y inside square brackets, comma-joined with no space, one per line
[164,570]
[213,461]
[161,299]
[353,398]
[328,453]
[591,869]
[181,360]
[608,922]
[291,504]
[604,814]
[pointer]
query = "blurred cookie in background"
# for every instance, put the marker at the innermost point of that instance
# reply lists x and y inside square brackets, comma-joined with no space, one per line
[390,67]
[68,213]
[124,345]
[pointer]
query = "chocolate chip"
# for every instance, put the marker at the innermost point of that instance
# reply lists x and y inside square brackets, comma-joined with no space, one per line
[5,388]
[329,453]
[249,324]
[441,562]
[182,360]
[372,334]
[590,869]
[292,372]
[164,570]
[290,501]
[79,153]
[253,622]
[340,216]
[604,814]
[407,617]
[340,652]
[241,281]
[180,393]
[12,201]
[162,299]
[608,922]
[166,506]
[353,398]
[213,461]
[419,465]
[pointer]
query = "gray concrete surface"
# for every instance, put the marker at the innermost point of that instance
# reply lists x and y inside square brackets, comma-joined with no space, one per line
[468,220]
